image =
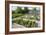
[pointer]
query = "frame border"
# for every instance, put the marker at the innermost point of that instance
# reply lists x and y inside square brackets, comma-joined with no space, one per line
[21,2]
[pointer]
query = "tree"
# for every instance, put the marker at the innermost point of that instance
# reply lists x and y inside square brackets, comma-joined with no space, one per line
[18,10]
[13,12]
[26,10]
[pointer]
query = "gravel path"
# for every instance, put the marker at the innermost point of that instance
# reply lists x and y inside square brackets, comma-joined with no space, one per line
[17,26]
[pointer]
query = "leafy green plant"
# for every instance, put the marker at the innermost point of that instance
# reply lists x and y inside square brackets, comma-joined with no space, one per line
[16,15]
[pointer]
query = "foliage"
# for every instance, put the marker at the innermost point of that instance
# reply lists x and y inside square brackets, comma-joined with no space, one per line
[16,15]
[13,12]
[26,23]
[20,10]
[26,10]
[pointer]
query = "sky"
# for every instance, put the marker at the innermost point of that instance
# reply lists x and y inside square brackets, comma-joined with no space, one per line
[30,8]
